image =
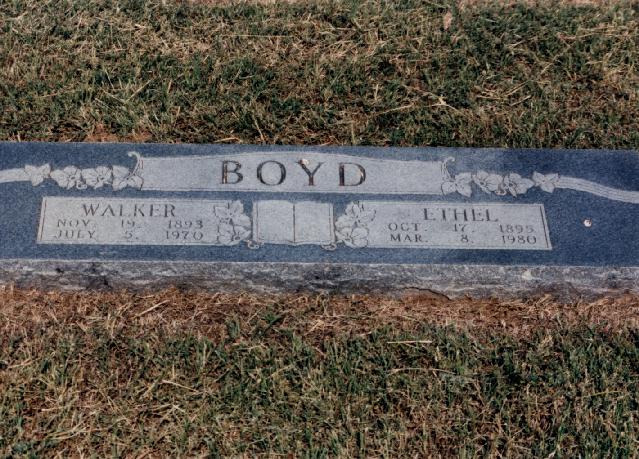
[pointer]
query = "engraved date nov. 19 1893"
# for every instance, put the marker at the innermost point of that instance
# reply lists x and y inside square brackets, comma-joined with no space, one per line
[142,221]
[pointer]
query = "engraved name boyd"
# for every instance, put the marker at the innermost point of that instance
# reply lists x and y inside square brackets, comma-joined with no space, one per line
[364,223]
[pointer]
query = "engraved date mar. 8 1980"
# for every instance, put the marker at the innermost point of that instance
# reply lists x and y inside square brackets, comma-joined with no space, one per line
[373,224]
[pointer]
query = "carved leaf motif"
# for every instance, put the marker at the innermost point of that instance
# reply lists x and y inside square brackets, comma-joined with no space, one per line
[222,213]
[242,220]
[344,221]
[546,182]
[354,237]
[358,215]
[241,233]
[515,184]
[69,177]
[365,217]
[120,174]
[225,233]
[487,182]
[352,210]
[236,208]
[98,177]
[36,174]
[233,225]
[459,184]
[135,181]
[351,228]
[359,237]
[122,178]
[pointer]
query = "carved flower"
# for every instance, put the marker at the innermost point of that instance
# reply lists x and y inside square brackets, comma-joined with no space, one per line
[229,234]
[233,214]
[546,182]
[488,183]
[233,225]
[98,177]
[122,178]
[357,215]
[515,184]
[69,177]
[36,174]
[459,184]
[351,228]
[354,237]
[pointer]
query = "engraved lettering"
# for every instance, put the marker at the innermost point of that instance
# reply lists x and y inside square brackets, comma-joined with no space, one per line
[90,210]
[428,216]
[360,225]
[226,172]
[310,173]
[110,210]
[361,172]
[261,177]
[142,221]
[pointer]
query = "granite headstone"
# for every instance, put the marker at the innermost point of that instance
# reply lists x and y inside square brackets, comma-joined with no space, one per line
[281,218]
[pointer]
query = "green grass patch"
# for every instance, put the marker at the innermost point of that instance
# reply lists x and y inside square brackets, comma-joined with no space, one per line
[338,72]
[437,391]
[210,375]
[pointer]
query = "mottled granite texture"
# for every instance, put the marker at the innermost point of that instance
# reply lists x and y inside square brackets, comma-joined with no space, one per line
[329,227]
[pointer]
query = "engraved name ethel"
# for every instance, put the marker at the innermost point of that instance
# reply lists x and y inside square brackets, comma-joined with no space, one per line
[470,226]
[361,224]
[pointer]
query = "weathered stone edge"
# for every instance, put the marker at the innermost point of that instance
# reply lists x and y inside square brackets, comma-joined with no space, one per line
[445,279]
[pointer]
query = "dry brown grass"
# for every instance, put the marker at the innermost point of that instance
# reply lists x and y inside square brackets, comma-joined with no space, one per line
[317,316]
[194,374]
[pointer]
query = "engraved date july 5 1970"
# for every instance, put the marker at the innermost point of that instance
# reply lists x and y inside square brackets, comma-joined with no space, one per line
[373,224]
[141,222]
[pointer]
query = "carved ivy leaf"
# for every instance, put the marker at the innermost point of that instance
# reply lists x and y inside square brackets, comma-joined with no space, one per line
[241,233]
[515,184]
[36,174]
[135,181]
[242,220]
[359,237]
[354,237]
[122,178]
[356,213]
[225,233]
[487,182]
[352,210]
[344,221]
[546,182]
[120,175]
[365,217]
[98,177]
[69,177]
[459,184]
[229,234]
[222,213]
[236,208]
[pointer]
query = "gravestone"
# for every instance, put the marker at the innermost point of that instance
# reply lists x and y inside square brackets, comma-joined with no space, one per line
[453,221]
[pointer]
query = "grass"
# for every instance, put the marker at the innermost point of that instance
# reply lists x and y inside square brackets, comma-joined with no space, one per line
[183,375]
[188,374]
[323,72]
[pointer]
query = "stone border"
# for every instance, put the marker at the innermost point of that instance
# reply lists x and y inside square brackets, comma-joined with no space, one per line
[449,280]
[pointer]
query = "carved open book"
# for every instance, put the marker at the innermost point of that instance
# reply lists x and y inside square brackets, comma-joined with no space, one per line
[293,223]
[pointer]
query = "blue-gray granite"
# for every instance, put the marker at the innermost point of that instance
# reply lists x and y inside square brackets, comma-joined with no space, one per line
[287,218]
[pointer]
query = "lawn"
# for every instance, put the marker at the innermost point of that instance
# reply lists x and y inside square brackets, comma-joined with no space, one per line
[184,374]
[196,374]
[330,72]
